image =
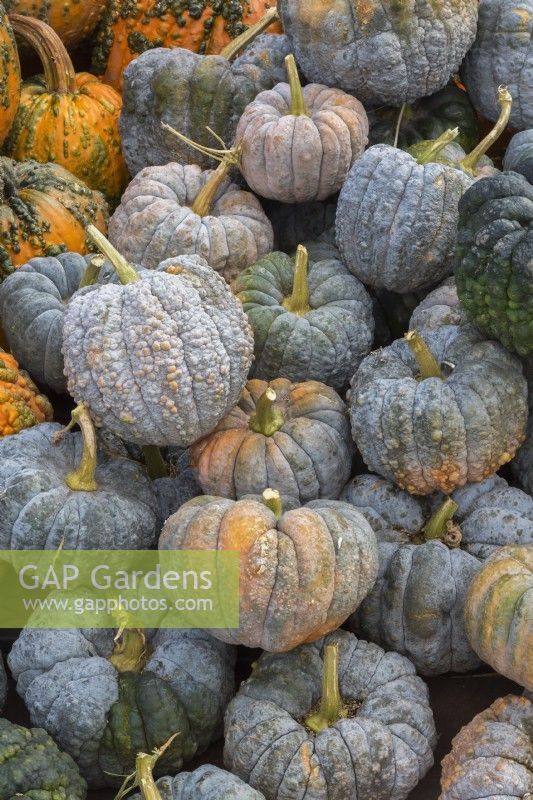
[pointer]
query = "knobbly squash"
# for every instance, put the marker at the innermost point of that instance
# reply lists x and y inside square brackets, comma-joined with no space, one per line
[9,75]
[21,404]
[73,21]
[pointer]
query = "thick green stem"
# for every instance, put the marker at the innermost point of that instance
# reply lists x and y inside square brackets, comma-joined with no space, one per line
[505,101]
[124,270]
[155,463]
[92,271]
[437,524]
[298,302]
[145,764]
[297,108]
[272,500]
[267,418]
[427,151]
[331,707]
[429,366]
[131,652]
[82,478]
[204,199]
[239,43]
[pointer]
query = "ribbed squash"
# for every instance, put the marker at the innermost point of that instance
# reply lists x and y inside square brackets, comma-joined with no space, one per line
[67,118]
[72,20]
[21,405]
[130,28]
[9,76]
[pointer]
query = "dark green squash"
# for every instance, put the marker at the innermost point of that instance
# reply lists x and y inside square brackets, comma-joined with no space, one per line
[494,257]
[294,223]
[522,463]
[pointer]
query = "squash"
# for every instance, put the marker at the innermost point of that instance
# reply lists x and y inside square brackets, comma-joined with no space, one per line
[162,356]
[440,307]
[501,55]
[165,683]
[397,213]
[425,119]
[519,154]
[32,304]
[34,767]
[21,404]
[68,118]
[522,464]
[492,754]
[71,20]
[494,256]
[310,321]
[499,610]
[384,52]
[174,210]
[435,412]
[294,223]
[178,88]
[297,145]
[9,76]
[302,571]
[429,552]
[128,30]
[62,488]
[177,486]
[44,211]
[205,783]
[339,716]
[293,437]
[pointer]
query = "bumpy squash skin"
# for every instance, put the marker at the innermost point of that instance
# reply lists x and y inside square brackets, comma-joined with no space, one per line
[439,434]
[519,154]
[499,610]
[440,307]
[327,343]
[44,211]
[72,20]
[191,92]
[300,575]
[492,754]
[384,52]
[494,256]
[181,329]
[309,457]
[397,219]
[192,673]
[9,76]
[154,221]
[522,463]
[32,304]
[378,753]
[203,26]
[205,783]
[416,606]
[38,509]
[502,56]
[21,405]
[33,767]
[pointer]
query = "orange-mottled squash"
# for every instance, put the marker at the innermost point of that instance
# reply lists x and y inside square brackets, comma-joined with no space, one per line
[72,20]
[21,404]
[69,119]
[9,76]
[130,27]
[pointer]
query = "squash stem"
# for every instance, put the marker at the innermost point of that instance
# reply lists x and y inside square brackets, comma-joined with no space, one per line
[425,152]
[126,273]
[505,101]
[239,43]
[130,652]
[59,74]
[429,367]
[398,125]
[331,706]
[82,479]
[267,418]
[204,199]
[155,463]
[145,764]
[298,302]
[435,527]
[297,107]
[92,271]
[272,500]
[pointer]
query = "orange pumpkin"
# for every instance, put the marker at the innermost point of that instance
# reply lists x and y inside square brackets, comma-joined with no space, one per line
[44,210]
[72,20]
[204,26]
[9,76]
[21,405]
[69,119]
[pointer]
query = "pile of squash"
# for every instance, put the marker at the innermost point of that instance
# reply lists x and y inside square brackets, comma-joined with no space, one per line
[276,265]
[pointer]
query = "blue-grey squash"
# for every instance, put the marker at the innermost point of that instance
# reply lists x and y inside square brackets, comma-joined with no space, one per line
[519,154]
[312,320]
[205,783]
[434,412]
[339,718]
[430,549]
[440,307]
[60,489]
[103,700]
